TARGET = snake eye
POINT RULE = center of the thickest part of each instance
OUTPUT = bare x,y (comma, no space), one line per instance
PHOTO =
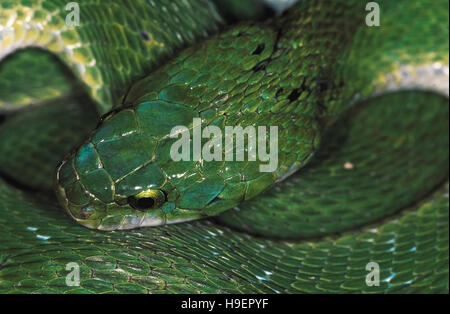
147,199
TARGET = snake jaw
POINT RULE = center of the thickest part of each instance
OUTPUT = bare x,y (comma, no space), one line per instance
94,214
93,218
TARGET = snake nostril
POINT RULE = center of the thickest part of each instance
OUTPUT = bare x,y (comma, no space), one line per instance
86,212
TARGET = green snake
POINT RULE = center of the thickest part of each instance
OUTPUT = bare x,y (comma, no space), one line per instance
362,169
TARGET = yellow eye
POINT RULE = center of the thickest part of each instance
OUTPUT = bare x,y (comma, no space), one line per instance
147,199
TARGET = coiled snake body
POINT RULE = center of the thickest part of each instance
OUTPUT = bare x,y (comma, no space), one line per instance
362,117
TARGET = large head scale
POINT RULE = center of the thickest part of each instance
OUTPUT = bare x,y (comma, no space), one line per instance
123,176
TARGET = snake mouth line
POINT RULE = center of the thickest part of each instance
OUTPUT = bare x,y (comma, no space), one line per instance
130,220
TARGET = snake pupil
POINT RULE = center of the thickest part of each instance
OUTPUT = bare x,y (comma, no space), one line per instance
141,203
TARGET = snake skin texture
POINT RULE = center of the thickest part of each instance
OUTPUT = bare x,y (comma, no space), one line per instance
362,115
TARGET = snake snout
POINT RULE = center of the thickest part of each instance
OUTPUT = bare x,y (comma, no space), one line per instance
74,198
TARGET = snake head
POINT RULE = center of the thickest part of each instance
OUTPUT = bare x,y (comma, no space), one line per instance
123,176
